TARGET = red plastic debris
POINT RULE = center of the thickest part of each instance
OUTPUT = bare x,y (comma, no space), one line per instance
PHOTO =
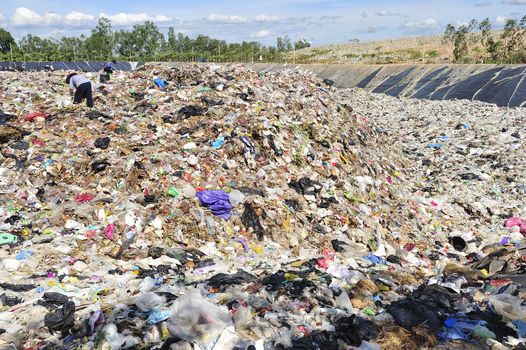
29,117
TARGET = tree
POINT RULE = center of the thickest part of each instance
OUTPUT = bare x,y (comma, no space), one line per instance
39,48
100,43
6,41
461,38
485,34
283,44
147,39
124,44
142,42
172,40
70,48
513,37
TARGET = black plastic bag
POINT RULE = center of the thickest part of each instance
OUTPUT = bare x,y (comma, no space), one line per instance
410,313
52,300
96,114
296,287
9,301
306,186
4,118
102,142
323,340
353,330
338,246
442,297
223,279
251,219
99,166
62,319
12,219
190,111
274,281
18,287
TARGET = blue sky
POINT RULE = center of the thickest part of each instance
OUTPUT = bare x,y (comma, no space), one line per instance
322,22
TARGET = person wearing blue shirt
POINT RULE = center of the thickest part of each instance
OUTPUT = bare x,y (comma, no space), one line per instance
109,67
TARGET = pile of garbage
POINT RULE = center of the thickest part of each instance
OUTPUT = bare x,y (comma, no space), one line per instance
236,210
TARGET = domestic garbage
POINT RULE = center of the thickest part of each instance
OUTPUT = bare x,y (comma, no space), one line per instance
222,279
104,78
217,201
160,83
4,117
7,238
251,221
61,316
244,210
460,327
102,142
196,320
32,116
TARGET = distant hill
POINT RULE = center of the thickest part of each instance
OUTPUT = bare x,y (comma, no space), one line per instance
429,49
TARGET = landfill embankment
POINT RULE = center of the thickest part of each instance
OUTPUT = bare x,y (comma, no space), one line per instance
254,211
503,85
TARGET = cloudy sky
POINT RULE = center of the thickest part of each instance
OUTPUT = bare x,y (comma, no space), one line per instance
319,21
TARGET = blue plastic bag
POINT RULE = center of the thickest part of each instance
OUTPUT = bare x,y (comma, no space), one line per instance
158,316
459,327
217,201
218,143
375,259
160,83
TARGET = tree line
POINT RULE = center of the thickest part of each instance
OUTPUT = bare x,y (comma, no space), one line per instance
478,42
144,42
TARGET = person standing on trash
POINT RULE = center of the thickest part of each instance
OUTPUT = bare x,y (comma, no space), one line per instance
109,67
82,88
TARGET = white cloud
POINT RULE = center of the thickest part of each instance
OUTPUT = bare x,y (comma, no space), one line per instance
161,18
125,19
24,17
267,18
226,19
261,34
1,18
364,14
514,2
428,23
383,13
77,18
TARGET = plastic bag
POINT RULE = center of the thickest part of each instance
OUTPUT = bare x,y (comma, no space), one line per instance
196,320
60,318
102,142
508,306
251,220
413,313
224,279
217,201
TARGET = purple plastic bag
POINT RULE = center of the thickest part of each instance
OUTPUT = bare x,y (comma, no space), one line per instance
217,201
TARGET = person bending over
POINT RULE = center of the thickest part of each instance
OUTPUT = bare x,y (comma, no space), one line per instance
109,67
82,88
